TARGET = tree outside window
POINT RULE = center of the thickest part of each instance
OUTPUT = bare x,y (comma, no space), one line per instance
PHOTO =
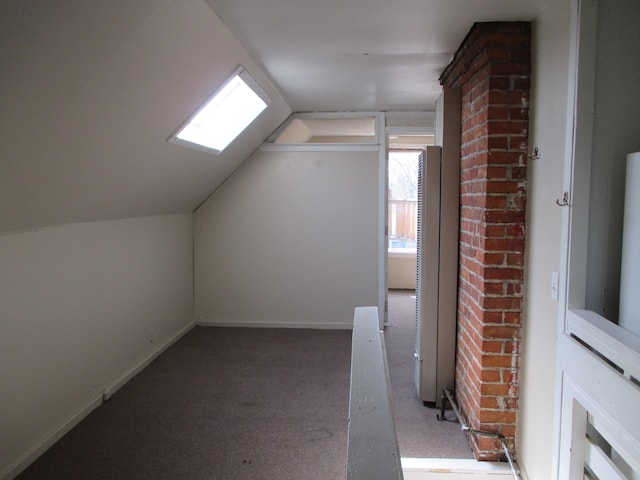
403,200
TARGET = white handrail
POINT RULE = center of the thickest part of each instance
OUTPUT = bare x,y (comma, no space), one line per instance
372,450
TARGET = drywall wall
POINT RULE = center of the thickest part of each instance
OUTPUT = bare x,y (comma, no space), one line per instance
615,134
401,271
90,93
289,240
81,307
535,436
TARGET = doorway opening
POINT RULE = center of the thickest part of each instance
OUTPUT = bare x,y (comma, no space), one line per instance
402,206
402,210
412,418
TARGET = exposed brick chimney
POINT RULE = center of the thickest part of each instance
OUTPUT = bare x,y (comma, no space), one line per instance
492,68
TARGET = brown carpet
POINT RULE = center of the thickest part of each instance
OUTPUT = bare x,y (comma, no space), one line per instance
420,434
220,404
234,403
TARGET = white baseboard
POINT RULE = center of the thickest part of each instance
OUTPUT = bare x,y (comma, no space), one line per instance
258,324
45,443
120,382
453,469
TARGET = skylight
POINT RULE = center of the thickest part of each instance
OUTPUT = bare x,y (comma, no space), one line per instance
225,115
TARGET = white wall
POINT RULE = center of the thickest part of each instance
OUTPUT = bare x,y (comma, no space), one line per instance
543,241
615,134
401,271
90,92
81,306
290,239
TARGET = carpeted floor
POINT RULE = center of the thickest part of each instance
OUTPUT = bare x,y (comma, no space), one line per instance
420,434
220,404
233,403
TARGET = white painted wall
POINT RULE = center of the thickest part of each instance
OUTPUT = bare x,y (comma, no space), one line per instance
616,120
543,242
81,307
401,271
290,239
90,92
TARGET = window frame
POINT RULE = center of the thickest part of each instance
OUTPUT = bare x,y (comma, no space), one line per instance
246,77
393,252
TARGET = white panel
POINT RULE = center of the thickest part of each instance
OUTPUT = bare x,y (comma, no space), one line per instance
437,293
579,175
567,455
600,464
574,430
454,469
383,219
428,275
608,339
450,112
630,275
608,397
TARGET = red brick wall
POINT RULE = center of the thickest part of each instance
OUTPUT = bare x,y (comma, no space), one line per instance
492,69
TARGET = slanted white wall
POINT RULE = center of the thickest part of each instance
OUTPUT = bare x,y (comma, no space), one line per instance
82,306
90,92
289,240
543,242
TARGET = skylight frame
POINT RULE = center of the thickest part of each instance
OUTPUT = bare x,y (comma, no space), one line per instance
214,102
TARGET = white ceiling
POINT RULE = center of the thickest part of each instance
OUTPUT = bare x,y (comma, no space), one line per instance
90,90
359,55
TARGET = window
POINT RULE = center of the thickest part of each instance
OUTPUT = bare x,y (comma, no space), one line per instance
403,200
403,160
225,115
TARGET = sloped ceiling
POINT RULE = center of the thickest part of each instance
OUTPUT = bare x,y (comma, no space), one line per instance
90,91
360,54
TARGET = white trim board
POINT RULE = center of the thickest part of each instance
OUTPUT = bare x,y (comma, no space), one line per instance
75,418
259,324
319,147
453,469
383,228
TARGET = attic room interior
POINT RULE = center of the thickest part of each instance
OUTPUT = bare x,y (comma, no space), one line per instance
119,243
